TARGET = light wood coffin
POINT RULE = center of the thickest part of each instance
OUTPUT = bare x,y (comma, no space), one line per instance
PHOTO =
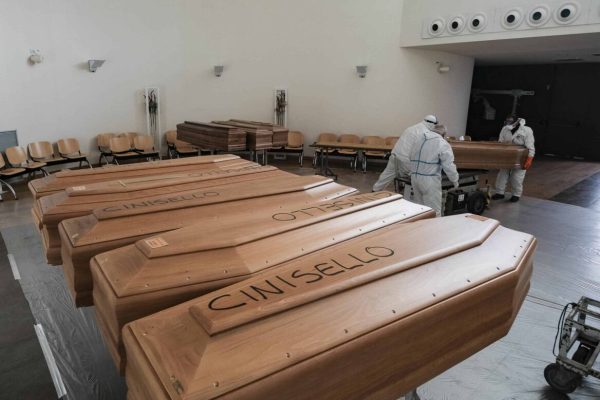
212,136
488,155
280,133
82,200
372,318
118,225
257,137
162,271
64,179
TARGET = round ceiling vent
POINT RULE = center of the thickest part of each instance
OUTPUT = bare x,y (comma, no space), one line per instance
456,25
512,19
436,27
477,22
538,16
567,13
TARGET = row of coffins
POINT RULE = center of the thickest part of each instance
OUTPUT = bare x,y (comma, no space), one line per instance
225,135
261,283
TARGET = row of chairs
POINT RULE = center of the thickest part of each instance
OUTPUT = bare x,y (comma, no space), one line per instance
18,164
125,146
354,154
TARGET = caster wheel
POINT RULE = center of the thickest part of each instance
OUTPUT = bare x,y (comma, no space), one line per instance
476,203
561,379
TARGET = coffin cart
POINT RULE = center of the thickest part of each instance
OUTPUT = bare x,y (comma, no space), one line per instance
366,318
162,271
468,197
124,223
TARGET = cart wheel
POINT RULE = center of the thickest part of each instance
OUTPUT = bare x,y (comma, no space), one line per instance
562,379
476,202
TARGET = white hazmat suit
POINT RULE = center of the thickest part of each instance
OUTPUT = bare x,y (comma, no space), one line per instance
523,136
399,163
429,155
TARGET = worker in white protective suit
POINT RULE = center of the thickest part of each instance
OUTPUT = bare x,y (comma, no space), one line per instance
399,164
429,155
516,132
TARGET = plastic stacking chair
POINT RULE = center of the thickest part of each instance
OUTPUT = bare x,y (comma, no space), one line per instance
353,154
178,148
103,141
6,173
144,146
324,137
43,152
391,142
17,158
70,150
372,141
296,145
120,149
131,136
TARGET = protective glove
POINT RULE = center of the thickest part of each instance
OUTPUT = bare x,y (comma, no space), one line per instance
455,185
528,163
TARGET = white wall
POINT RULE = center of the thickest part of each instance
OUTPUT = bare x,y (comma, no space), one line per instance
60,98
310,47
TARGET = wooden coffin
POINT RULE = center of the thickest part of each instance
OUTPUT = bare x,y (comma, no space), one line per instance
488,155
257,137
82,200
212,136
162,271
64,179
118,225
372,317
280,133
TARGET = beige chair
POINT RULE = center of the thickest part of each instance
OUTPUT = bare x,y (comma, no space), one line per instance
144,146
7,172
295,145
70,149
349,138
391,142
373,154
43,152
103,141
120,149
131,136
179,148
17,158
324,137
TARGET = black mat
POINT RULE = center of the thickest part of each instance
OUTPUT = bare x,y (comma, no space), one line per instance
584,194
24,374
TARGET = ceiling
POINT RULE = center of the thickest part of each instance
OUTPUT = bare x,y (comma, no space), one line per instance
533,50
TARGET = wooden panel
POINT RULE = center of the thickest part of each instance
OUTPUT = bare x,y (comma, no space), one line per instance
280,133
371,329
84,237
257,137
212,136
159,272
64,179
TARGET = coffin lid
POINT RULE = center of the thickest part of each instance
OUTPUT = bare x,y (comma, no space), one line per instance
89,229
245,127
141,268
383,280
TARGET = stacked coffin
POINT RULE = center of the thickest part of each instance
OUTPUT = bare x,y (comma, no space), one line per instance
82,200
156,273
488,155
74,178
124,223
257,137
212,136
371,317
280,133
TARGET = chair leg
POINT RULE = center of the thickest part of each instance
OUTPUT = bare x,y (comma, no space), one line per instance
10,188
364,164
301,158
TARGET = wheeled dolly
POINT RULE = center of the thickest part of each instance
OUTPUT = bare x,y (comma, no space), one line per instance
581,327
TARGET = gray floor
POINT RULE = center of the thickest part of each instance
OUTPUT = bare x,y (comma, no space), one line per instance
567,266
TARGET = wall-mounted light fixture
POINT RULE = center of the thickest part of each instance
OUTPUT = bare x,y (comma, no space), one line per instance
35,56
93,65
361,70
442,68
218,69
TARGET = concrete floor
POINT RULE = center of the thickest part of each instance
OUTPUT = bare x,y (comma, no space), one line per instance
566,266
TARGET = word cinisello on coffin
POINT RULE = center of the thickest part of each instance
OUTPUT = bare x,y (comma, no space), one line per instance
134,281
125,223
372,317
82,200
64,179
